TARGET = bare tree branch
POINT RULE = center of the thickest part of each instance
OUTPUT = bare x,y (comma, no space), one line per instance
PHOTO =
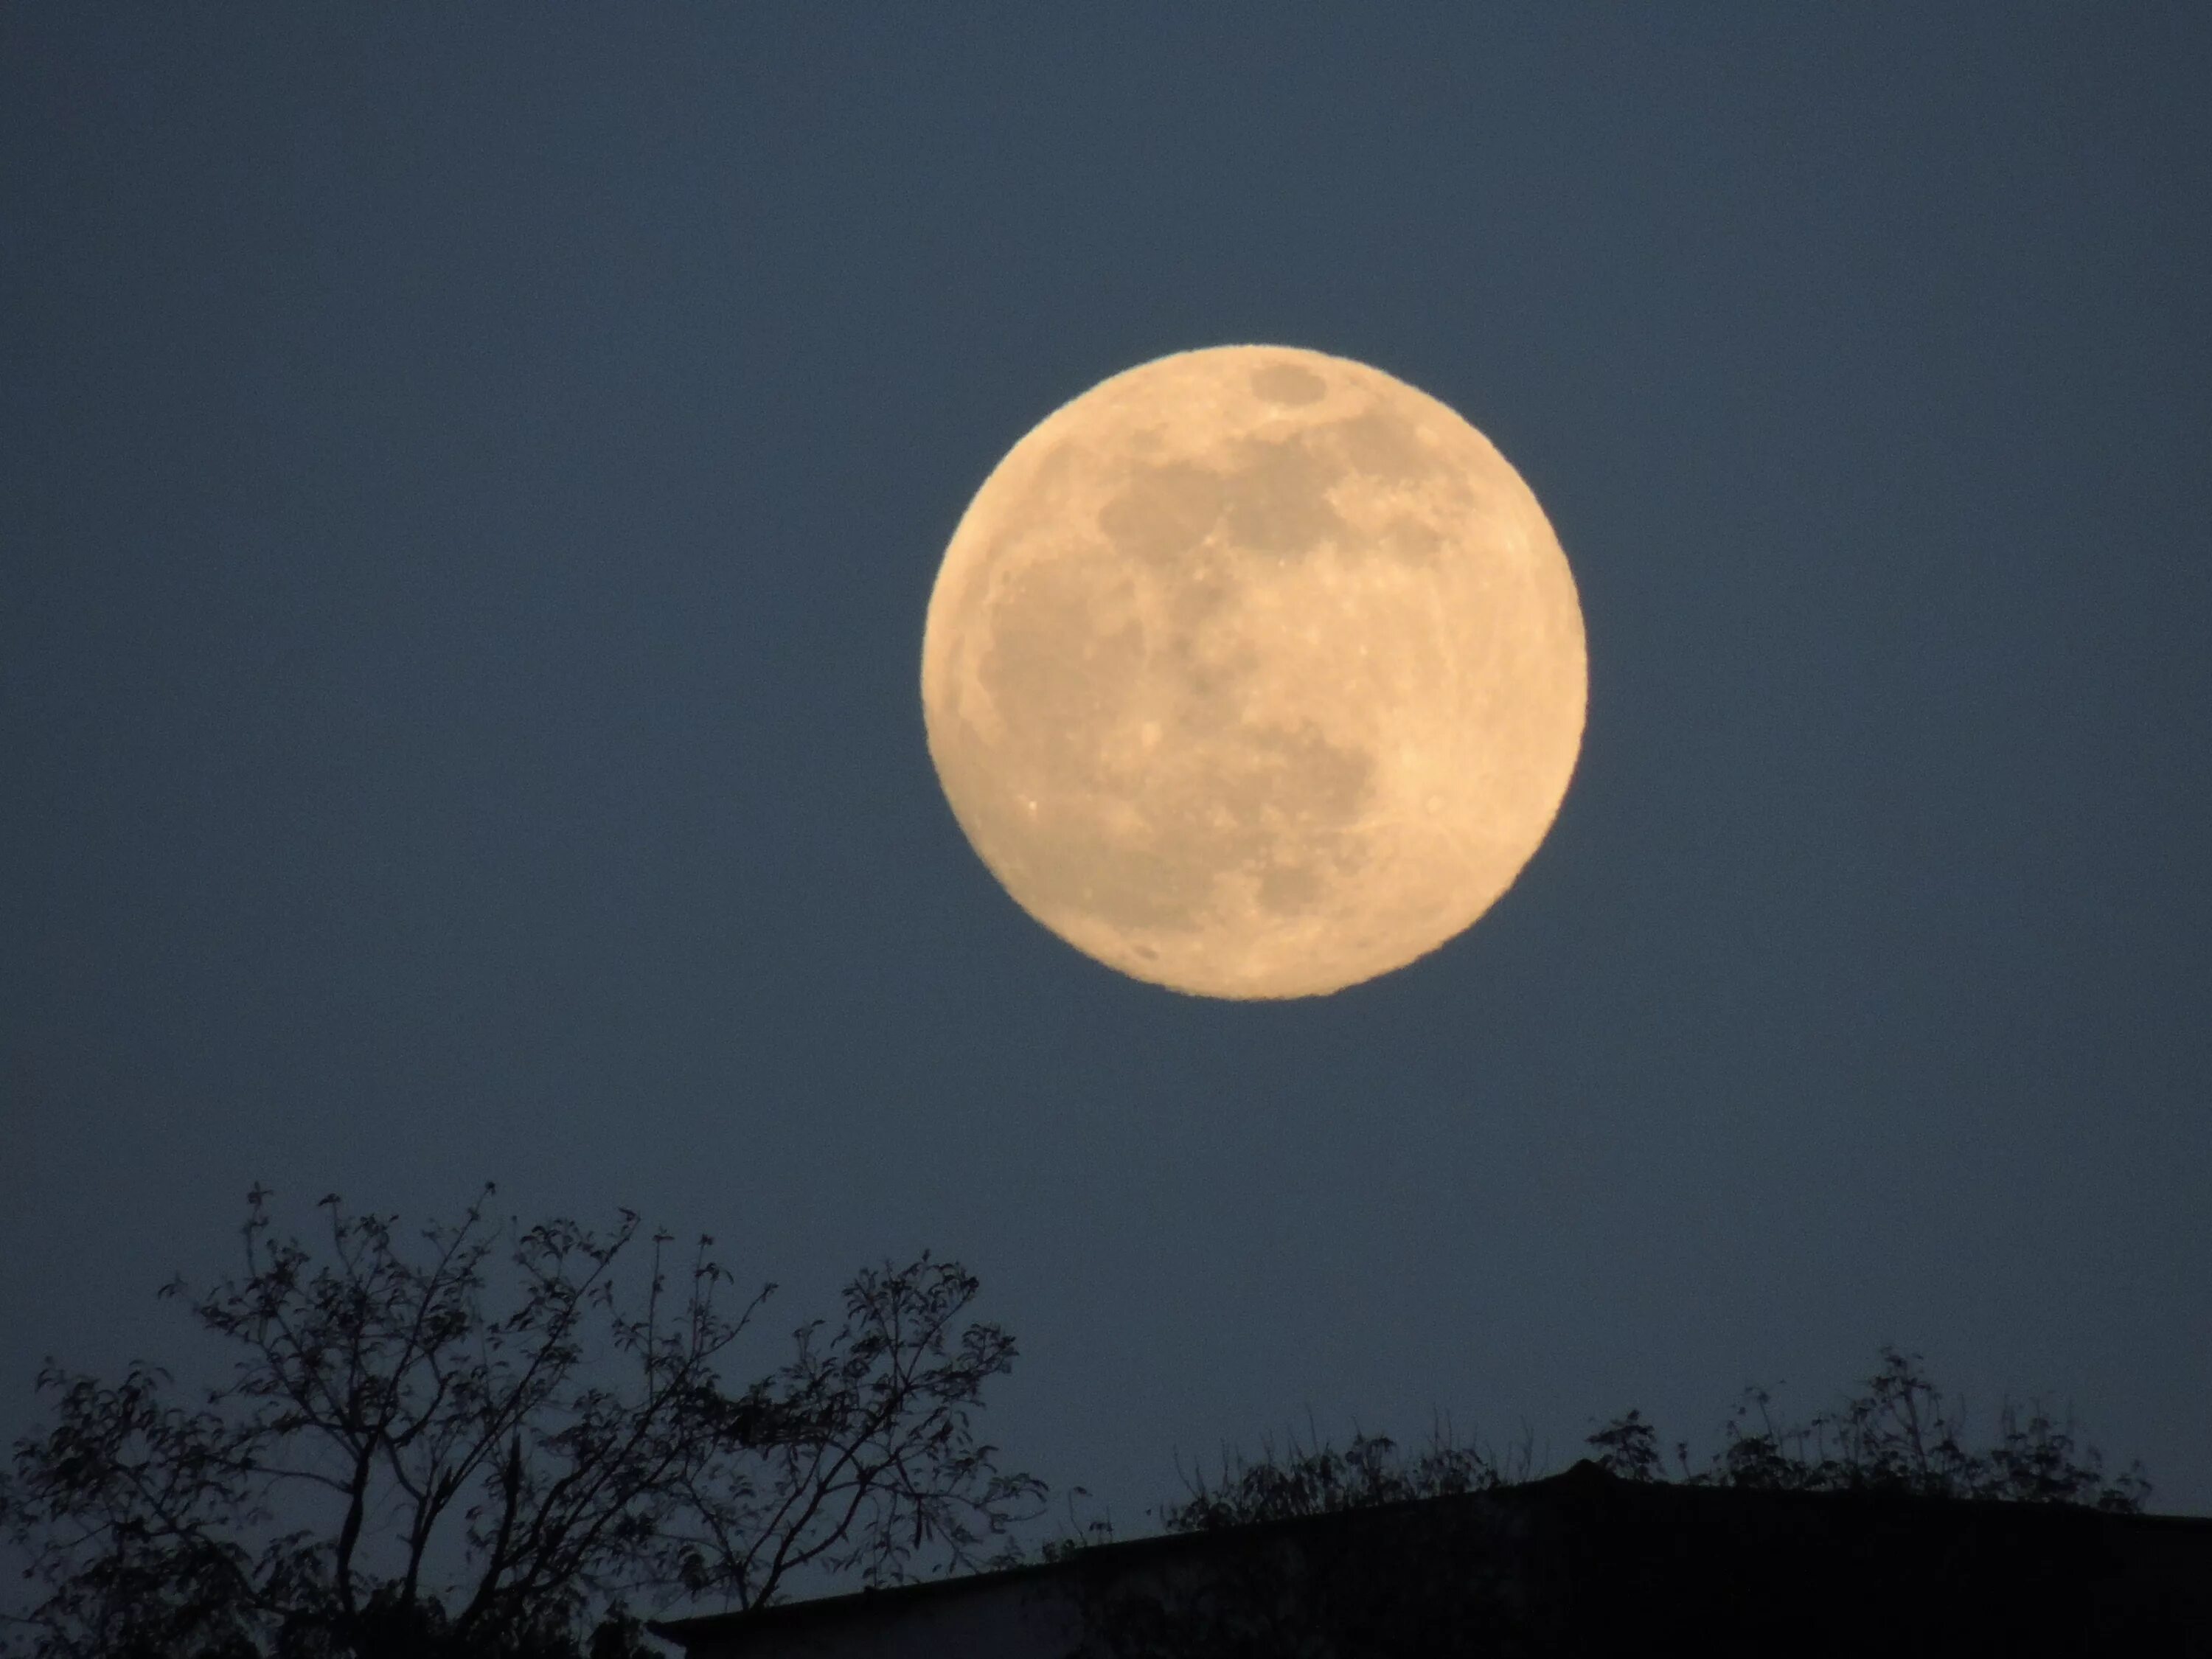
409,1452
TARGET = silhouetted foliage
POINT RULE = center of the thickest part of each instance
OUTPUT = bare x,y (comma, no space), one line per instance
1903,1434
1319,1479
1445,1578
1322,1592
410,1458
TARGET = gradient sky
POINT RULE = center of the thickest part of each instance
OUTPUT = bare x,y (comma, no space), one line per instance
470,481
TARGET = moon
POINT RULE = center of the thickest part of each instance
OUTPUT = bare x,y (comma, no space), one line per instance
1255,672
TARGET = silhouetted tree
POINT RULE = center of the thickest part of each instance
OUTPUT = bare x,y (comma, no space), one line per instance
417,1455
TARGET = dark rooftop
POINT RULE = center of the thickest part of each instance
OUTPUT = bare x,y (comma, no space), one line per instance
1581,1562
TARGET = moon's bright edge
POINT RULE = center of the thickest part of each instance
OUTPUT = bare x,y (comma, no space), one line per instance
1255,672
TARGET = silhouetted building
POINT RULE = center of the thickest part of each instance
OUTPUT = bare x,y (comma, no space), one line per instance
1579,1564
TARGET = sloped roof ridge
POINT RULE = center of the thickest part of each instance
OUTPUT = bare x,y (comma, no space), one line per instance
1584,1476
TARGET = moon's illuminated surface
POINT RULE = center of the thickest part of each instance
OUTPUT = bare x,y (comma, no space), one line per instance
1255,672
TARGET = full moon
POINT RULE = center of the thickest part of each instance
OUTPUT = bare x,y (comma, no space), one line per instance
1255,672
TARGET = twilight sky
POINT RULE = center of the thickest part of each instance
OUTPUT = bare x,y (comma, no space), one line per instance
469,485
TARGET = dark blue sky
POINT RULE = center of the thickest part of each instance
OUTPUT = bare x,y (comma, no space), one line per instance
469,484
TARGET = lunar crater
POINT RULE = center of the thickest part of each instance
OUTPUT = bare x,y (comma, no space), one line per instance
1286,383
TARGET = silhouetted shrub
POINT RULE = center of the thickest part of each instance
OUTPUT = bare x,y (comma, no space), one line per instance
1377,1575
1902,1433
